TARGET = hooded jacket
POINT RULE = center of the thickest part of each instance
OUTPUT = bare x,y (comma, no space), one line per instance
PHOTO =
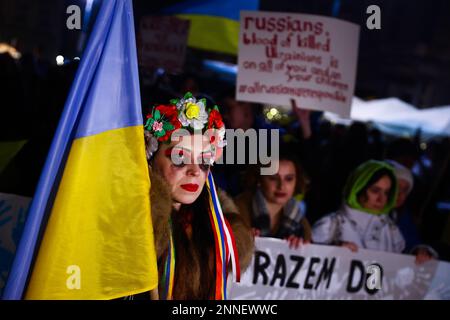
366,228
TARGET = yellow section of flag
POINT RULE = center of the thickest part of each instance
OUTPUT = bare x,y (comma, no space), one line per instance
98,243
213,33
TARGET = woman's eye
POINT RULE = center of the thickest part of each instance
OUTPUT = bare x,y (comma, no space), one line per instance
374,190
179,164
179,159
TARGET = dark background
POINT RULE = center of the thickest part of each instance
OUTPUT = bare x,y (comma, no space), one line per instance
408,58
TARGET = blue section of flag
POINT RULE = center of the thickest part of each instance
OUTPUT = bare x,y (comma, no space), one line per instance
77,122
220,8
113,81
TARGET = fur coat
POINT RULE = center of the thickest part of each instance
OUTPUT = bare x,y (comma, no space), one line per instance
189,264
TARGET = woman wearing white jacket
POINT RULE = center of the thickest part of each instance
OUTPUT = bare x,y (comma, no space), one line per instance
363,221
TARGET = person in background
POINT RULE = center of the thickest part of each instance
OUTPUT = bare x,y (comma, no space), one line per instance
272,206
401,215
363,220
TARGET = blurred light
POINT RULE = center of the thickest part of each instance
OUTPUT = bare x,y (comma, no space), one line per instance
76,58
160,72
269,116
4,47
273,111
443,205
423,146
59,60
225,71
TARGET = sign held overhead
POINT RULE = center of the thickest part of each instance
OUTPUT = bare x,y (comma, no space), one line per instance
309,58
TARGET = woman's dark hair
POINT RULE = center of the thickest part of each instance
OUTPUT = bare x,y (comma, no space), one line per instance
375,177
203,243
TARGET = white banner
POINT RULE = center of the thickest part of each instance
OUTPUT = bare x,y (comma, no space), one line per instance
328,272
309,58
162,42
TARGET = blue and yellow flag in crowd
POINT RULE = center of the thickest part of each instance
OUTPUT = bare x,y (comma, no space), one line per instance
97,241
214,23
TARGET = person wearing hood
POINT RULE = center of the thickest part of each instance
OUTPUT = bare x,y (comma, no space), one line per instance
401,215
363,222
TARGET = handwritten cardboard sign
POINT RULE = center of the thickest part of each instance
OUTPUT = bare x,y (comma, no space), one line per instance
162,42
309,58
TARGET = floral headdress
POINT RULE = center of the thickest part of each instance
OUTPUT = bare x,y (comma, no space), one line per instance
186,113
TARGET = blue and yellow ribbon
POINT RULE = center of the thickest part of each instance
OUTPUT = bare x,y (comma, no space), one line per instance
225,249
169,268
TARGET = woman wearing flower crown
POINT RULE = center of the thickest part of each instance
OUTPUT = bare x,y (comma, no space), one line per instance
199,235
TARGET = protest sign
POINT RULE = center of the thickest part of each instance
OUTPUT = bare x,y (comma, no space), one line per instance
162,42
328,272
309,58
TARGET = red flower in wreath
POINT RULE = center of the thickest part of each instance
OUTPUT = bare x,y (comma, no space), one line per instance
215,119
163,121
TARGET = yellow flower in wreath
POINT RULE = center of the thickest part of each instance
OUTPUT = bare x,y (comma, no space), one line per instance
192,110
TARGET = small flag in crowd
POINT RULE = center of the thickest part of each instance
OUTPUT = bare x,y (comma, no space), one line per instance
214,23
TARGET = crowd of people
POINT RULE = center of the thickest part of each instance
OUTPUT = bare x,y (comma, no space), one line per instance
347,186
351,186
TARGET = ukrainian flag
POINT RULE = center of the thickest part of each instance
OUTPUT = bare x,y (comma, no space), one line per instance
214,23
98,241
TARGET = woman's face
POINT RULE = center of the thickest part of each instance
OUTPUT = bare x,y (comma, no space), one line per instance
185,166
377,195
280,187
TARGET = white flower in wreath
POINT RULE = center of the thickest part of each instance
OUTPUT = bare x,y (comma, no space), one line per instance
222,142
193,113
218,134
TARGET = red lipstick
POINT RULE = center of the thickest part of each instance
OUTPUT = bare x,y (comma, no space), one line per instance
280,194
190,187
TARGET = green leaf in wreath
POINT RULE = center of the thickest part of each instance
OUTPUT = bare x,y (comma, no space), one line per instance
168,126
149,123
160,133
157,115
188,95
